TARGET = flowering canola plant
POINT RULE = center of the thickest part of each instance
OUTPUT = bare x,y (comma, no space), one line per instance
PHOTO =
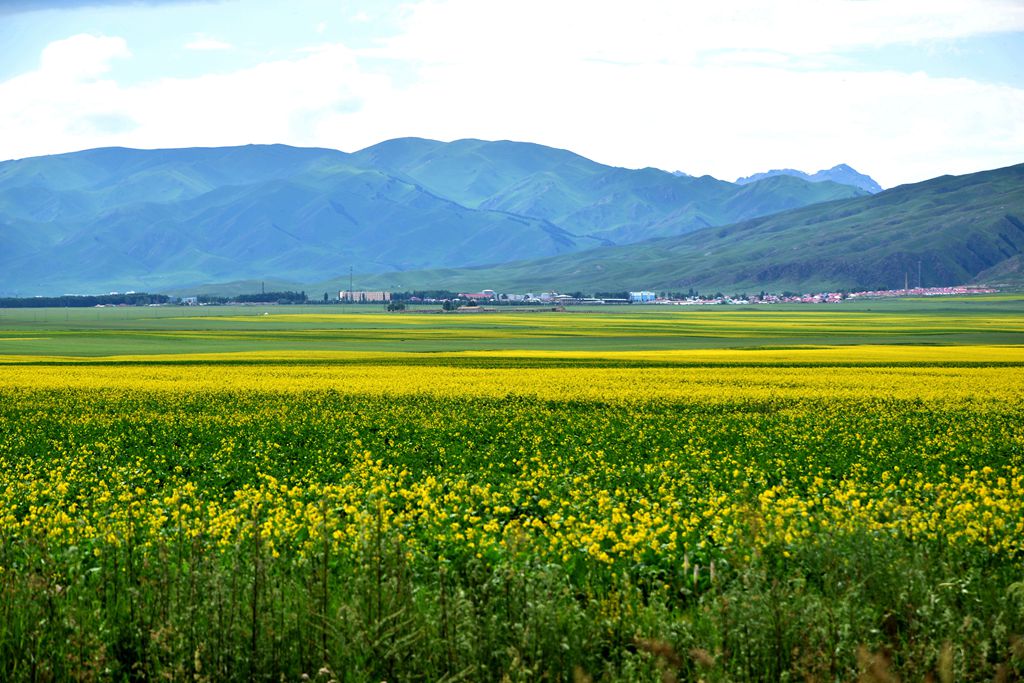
635,468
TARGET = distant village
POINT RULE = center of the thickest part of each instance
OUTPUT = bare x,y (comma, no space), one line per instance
491,297
485,299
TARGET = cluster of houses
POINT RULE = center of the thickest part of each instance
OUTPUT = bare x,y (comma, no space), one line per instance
489,296
818,297
925,291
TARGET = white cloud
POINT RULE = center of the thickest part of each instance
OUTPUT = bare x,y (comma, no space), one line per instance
660,31
709,87
726,121
40,110
204,43
62,106
280,101
727,89
749,57
82,56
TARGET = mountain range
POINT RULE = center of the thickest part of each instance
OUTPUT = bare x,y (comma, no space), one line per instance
950,230
414,213
117,219
841,173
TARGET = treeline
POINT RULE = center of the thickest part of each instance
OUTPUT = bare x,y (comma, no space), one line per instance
75,301
258,298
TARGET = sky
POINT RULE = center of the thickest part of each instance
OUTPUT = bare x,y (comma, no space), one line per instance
903,90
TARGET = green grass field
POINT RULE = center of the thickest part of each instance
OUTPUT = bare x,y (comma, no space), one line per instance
244,329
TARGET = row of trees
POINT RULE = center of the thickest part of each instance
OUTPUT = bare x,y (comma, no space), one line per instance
75,301
258,298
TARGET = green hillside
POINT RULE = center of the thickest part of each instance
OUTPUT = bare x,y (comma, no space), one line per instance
615,205
956,229
119,219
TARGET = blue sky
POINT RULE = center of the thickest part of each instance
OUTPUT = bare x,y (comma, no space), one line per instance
901,89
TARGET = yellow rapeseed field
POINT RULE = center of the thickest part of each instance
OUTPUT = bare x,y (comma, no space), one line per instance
614,464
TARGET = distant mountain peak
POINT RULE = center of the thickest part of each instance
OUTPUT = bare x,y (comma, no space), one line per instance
840,173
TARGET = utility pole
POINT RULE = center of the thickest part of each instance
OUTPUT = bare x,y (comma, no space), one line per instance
919,273
351,291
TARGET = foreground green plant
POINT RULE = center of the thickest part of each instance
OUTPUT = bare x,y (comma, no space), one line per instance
375,617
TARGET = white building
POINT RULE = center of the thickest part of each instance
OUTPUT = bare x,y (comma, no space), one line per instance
363,296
